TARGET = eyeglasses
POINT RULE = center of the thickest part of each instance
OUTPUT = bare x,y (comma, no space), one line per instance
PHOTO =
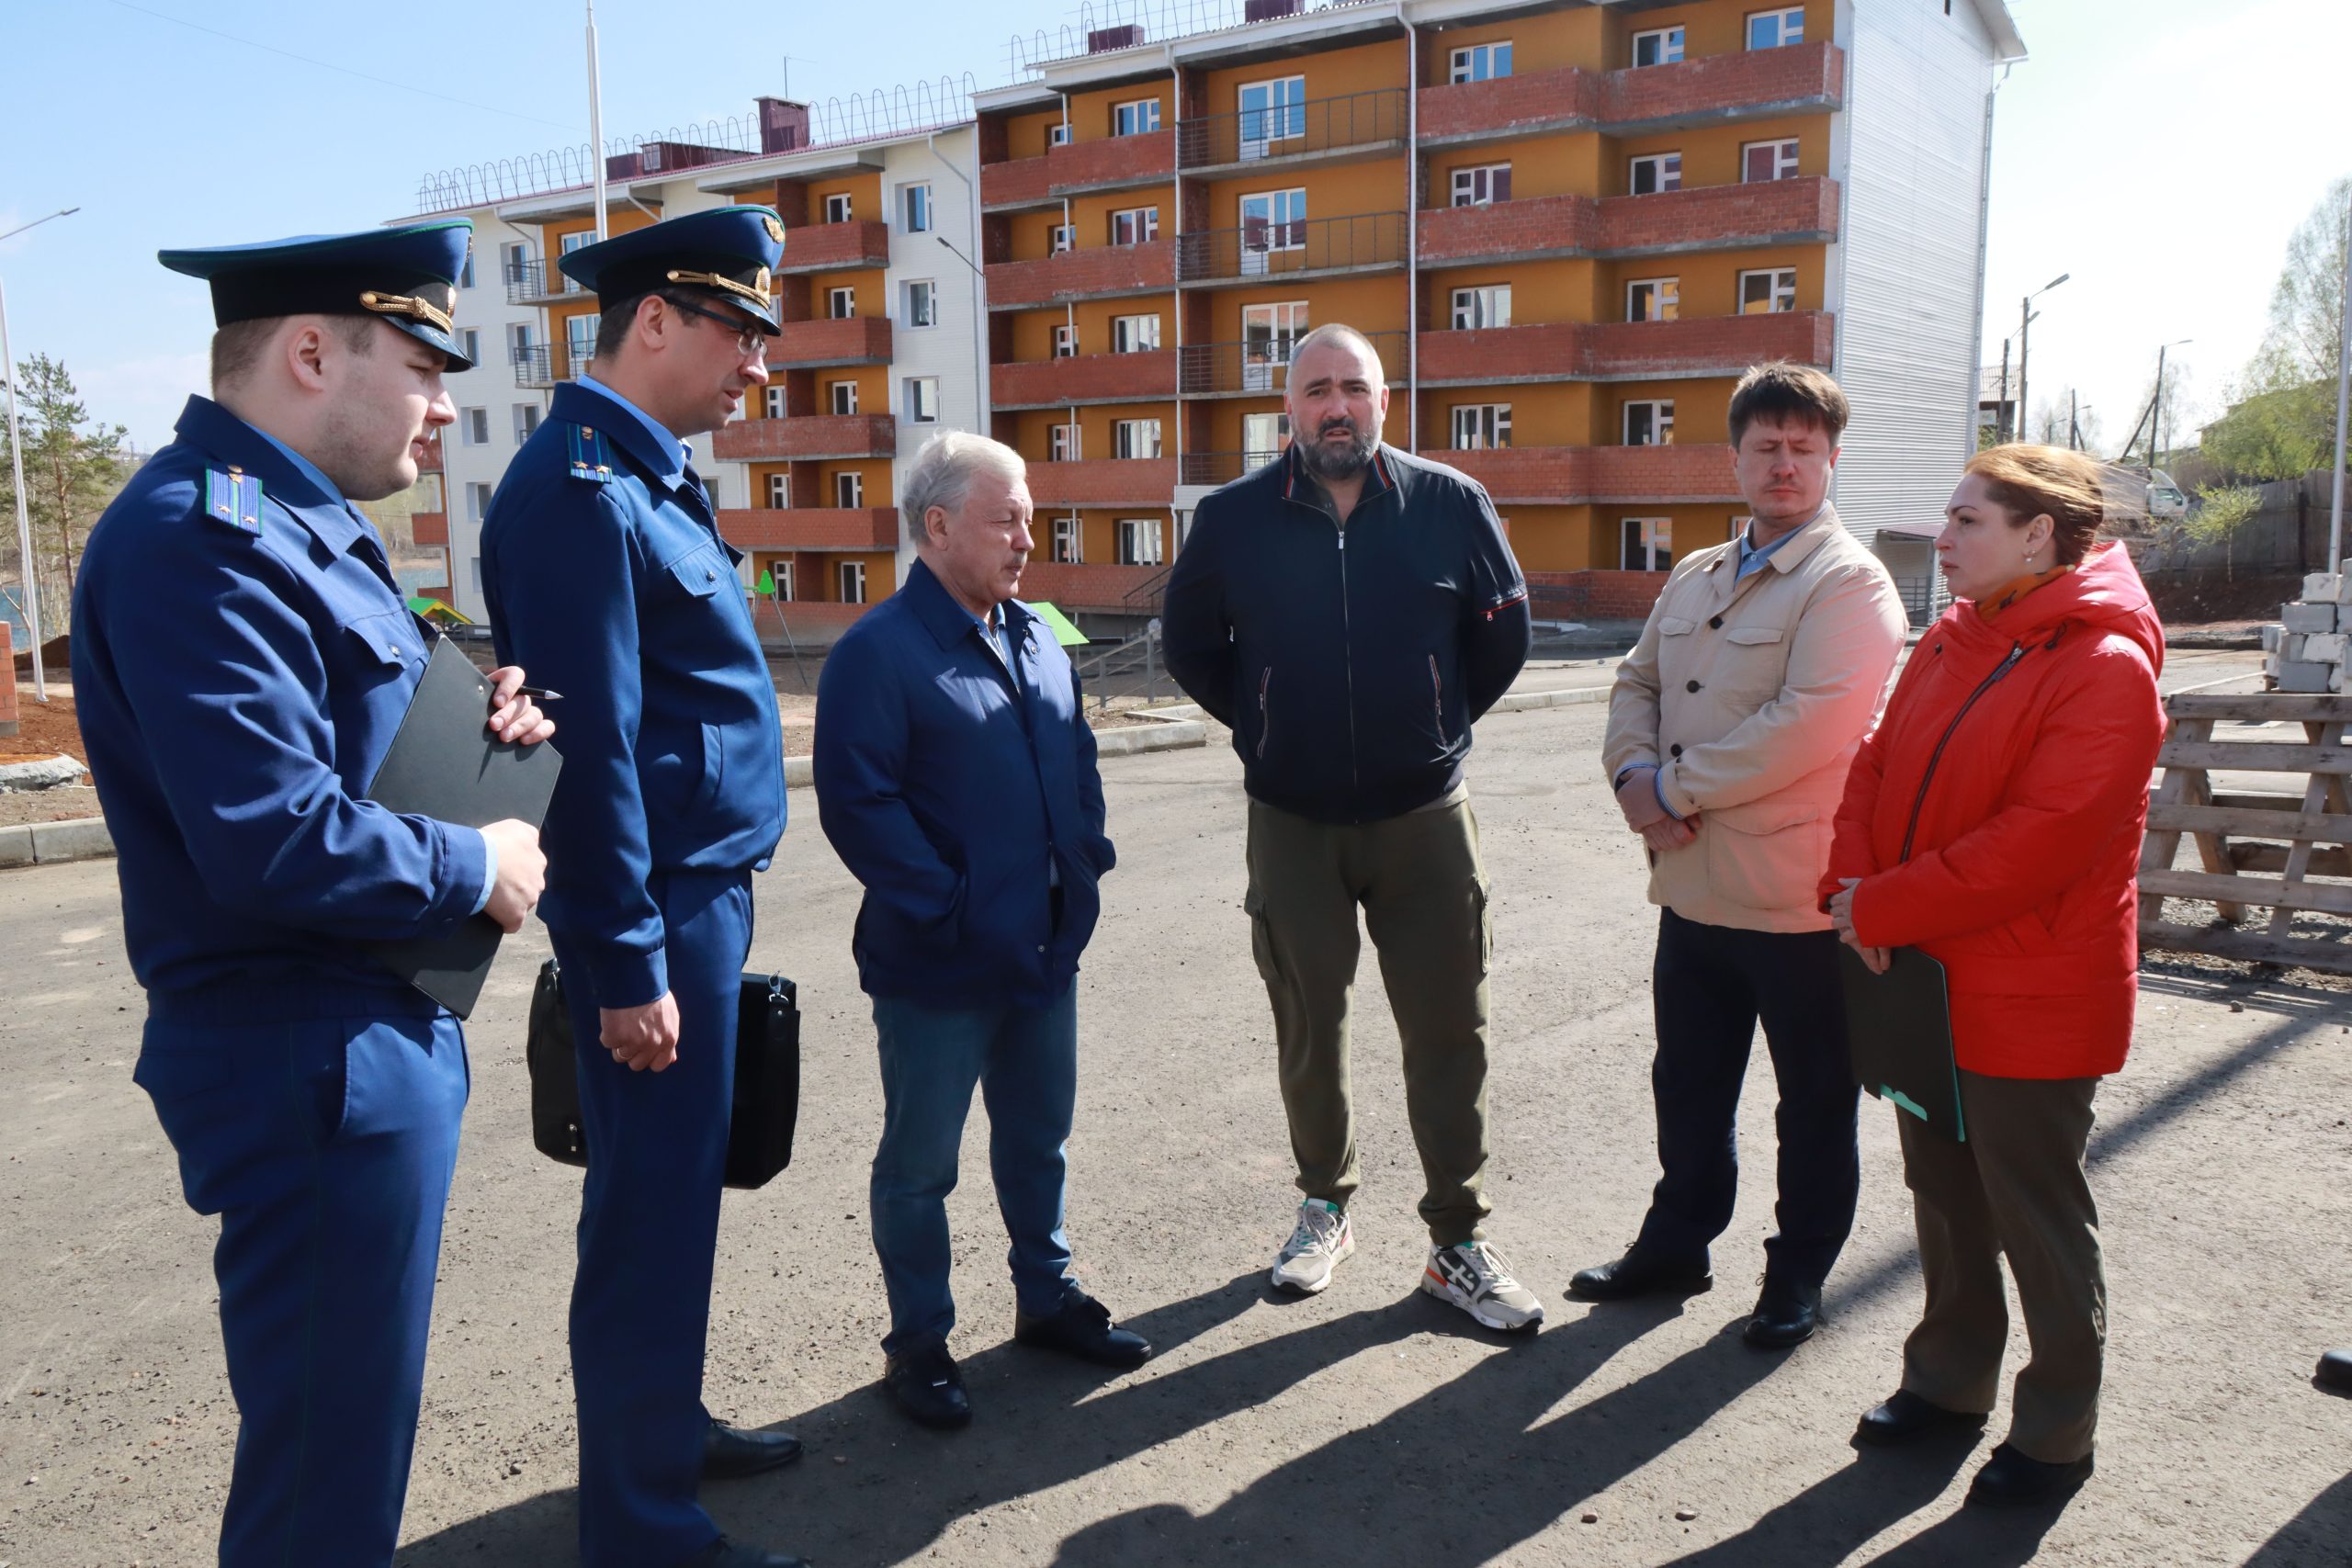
748,339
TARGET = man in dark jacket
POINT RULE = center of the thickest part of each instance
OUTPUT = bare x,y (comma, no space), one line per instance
955,778
1349,611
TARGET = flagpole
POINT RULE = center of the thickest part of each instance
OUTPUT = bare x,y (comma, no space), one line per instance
595,121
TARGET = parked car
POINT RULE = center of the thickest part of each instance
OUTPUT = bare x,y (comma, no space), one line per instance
2165,503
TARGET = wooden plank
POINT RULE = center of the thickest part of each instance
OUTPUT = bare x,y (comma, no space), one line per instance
2247,890
2260,707
2254,947
2161,842
2283,822
2247,855
2250,801
2257,756
2299,857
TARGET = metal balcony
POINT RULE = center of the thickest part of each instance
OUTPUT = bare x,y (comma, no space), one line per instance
1306,246
545,364
1261,366
538,283
1358,125
1223,467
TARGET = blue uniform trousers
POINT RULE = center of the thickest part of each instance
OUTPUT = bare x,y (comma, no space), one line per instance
1025,1062
326,1148
649,1224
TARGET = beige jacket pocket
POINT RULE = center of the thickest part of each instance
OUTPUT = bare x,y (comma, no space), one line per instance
1766,854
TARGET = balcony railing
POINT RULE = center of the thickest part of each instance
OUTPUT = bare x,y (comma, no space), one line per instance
1262,365
537,283
1356,243
828,247
540,365
1322,128
1222,467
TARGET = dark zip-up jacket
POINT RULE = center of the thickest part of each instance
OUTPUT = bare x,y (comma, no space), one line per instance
1349,661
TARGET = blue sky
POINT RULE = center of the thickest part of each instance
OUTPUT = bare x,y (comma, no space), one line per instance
2161,151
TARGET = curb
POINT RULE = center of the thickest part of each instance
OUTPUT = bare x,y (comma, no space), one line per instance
47,843
1573,696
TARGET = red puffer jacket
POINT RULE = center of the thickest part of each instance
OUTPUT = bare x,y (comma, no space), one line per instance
2022,745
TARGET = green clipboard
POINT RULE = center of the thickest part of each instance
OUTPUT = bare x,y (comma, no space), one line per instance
1898,1037
1065,633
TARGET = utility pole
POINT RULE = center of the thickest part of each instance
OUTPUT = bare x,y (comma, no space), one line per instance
595,121
2001,408
2343,400
2026,314
2073,421
2156,406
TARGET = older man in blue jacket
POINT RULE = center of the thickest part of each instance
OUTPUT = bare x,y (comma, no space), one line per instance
955,778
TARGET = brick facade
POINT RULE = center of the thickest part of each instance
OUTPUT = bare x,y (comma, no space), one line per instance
1595,595
1085,379
1109,163
1809,78
1568,476
1104,481
806,435
1097,272
811,528
830,247
858,340
429,527
1071,586
1712,345
1713,217
1016,182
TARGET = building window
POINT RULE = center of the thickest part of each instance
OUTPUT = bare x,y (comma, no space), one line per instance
1063,237
477,570
1482,186
469,342
839,208
1648,545
780,574
477,502
1069,540
1135,118
1659,46
518,342
1064,341
1655,173
842,396
1480,426
1271,111
1271,220
1264,436
1762,161
580,339
1134,226
1485,307
914,207
775,402
1058,135
1482,62
841,304
1134,437
1767,292
923,399
514,260
475,423
526,420
1649,422
1134,335
1653,299
849,491
1138,541
853,579
466,268
779,490
923,304
1776,29
1062,444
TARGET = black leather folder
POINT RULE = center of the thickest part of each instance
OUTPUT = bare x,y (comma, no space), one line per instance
1898,1035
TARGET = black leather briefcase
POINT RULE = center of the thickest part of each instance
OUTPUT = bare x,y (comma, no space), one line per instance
767,1078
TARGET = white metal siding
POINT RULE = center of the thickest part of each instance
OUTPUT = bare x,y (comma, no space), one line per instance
489,385
1907,277
949,351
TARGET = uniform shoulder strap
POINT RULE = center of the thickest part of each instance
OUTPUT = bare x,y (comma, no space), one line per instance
592,460
233,496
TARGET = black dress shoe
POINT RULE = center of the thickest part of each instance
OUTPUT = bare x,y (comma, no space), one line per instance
925,1381
730,1453
2334,1372
726,1553
1906,1416
2010,1480
1786,1313
1080,1326
1641,1273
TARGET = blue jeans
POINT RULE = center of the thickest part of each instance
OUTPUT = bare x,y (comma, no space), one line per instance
1026,1061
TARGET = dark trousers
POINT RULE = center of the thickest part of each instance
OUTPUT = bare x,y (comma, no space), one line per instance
1710,986
326,1148
649,1225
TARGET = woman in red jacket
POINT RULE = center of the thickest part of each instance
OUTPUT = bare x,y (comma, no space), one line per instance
1993,821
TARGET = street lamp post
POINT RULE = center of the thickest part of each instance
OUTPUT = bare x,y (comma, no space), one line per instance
2026,314
17,474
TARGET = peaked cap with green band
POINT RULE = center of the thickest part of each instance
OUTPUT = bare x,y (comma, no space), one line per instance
405,276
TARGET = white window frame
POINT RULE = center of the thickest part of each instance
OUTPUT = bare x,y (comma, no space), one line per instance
521,338
922,310
466,268
1064,341
1781,290
1286,233
773,400
781,570
469,343
1479,427
1784,160
921,401
1057,134
476,561
1139,541
840,303
1474,184
1669,47
840,397
779,491
1661,422
1069,541
1130,436
1481,306
1065,443
1062,237
1668,171
1665,298
851,577
1145,223
1258,456
915,213
1787,23
1134,335
1283,118
1654,545
1464,65
1145,111
474,428
849,491
841,206
526,422
478,497
513,257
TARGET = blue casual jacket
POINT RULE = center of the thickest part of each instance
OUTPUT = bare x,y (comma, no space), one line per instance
242,660
949,788
608,581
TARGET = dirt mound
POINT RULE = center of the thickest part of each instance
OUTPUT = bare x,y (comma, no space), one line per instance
56,658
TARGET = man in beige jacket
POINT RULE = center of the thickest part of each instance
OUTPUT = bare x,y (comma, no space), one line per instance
1730,730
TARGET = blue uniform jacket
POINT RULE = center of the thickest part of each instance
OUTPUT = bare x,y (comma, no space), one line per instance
242,659
949,788
603,565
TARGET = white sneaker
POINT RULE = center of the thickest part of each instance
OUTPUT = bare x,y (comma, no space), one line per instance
1474,1277
1323,1239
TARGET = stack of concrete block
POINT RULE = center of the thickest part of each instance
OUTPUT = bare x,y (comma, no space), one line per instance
2307,650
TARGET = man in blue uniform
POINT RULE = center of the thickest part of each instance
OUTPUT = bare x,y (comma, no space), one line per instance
242,659
604,567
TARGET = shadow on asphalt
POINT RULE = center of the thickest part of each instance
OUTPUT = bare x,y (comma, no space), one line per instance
2315,1537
